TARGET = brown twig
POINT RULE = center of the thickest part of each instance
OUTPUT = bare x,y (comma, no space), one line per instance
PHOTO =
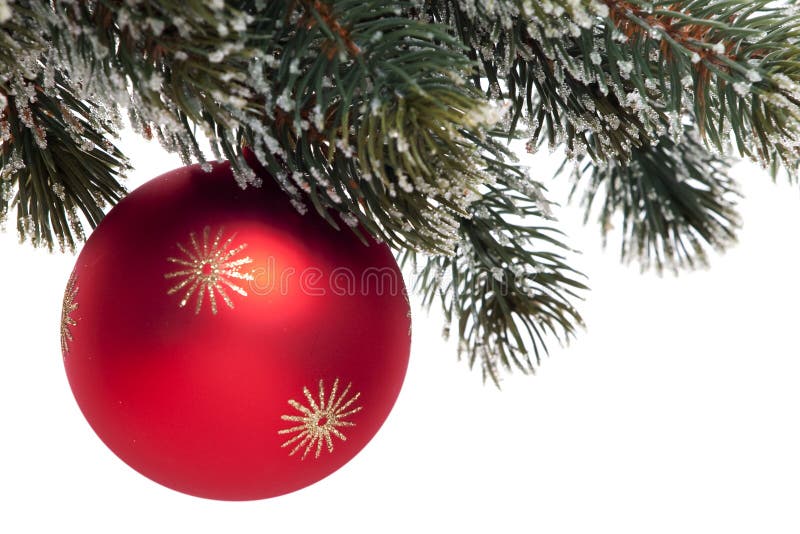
692,37
326,13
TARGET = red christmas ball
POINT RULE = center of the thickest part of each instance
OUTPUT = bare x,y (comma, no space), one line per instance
228,347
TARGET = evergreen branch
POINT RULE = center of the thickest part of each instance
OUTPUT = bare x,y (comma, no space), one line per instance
508,286
604,85
351,106
57,166
674,201
737,61
348,104
545,58
362,110
394,144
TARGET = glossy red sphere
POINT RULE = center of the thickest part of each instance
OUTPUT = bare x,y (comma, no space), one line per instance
228,347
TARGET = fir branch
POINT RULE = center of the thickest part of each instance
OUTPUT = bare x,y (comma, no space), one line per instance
674,201
58,168
606,85
549,66
740,58
348,104
508,287
389,146
361,109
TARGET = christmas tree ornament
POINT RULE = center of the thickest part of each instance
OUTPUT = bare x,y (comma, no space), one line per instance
228,347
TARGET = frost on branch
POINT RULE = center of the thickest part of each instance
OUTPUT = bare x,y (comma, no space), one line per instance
607,77
392,117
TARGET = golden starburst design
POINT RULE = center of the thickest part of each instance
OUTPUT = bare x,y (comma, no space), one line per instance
209,267
68,307
320,420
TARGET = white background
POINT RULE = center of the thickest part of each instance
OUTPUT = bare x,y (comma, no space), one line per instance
675,411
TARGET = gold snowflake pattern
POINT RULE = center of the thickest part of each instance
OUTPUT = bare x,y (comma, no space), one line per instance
68,307
320,420
209,267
